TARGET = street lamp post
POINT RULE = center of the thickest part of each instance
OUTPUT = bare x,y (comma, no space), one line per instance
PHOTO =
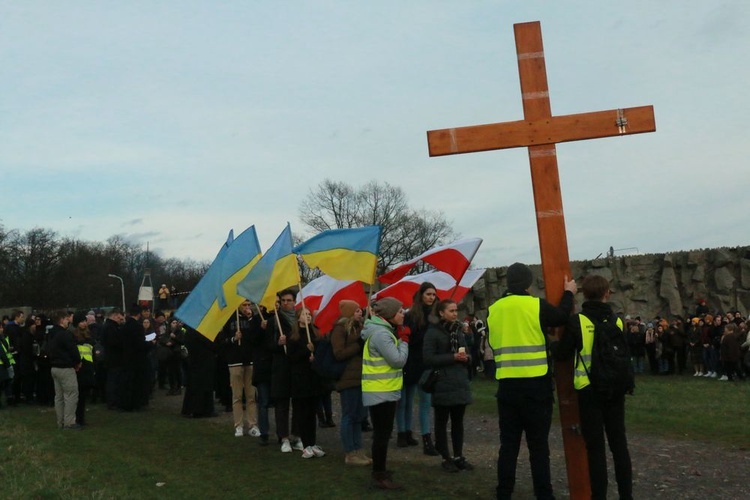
122,285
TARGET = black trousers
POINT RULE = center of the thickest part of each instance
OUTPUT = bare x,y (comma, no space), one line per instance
520,412
456,415
600,415
382,416
303,415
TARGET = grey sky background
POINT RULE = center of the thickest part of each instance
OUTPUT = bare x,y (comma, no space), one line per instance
173,122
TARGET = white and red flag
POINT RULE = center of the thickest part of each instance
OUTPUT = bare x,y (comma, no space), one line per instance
322,297
445,286
453,259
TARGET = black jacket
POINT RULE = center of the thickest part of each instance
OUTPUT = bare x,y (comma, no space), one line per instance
240,353
62,348
452,387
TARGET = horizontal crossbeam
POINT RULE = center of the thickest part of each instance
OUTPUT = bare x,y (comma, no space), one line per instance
553,130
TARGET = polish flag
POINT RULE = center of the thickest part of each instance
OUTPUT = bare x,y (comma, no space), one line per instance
445,286
453,259
322,296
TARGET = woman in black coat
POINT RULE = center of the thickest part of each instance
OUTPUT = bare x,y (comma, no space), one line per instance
306,385
199,394
445,350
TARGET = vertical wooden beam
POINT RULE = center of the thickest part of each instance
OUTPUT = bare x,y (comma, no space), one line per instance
553,241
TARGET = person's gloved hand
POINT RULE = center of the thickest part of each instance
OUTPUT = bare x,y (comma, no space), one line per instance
404,332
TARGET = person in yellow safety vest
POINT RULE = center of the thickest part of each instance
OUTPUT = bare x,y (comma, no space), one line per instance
599,413
383,358
517,325
85,375
6,364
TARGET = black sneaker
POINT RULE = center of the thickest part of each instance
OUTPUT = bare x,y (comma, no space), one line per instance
462,464
263,441
449,466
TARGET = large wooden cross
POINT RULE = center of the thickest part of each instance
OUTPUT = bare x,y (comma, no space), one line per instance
540,131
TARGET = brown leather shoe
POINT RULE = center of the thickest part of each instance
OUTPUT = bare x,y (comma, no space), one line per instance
383,481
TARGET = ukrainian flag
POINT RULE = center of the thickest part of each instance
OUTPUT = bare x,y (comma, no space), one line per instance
197,304
344,254
240,256
275,271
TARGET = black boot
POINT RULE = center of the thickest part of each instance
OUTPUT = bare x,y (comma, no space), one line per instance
410,439
401,441
427,447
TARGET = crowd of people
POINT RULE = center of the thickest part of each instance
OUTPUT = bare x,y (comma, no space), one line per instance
392,362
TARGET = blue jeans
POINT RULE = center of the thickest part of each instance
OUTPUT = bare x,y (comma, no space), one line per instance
352,415
406,407
262,398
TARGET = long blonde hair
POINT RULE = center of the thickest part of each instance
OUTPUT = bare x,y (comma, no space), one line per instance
295,336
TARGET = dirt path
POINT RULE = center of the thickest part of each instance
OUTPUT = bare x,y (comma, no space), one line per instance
661,467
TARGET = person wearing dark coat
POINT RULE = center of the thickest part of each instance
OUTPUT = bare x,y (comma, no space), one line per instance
347,346
416,321
111,338
601,413
199,393
279,329
134,384
445,350
262,370
86,374
65,361
26,360
306,385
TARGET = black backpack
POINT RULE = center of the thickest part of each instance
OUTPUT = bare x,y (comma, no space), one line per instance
325,363
611,372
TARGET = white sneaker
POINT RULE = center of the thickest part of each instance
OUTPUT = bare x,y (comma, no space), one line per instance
713,375
723,377
318,451
308,452
697,374
298,445
285,446
238,432
254,431
708,374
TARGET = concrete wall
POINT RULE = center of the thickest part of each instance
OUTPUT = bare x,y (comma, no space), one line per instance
647,285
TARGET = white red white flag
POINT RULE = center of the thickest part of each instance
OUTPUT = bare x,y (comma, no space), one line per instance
445,286
453,259
322,297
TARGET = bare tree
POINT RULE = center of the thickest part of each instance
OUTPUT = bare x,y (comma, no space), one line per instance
406,232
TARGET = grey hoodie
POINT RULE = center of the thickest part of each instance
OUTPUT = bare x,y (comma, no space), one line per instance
382,344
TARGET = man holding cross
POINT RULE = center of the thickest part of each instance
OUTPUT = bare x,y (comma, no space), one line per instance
518,323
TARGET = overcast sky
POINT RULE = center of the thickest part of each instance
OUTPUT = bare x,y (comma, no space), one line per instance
173,122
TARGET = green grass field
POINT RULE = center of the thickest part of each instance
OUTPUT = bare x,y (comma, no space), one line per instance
126,455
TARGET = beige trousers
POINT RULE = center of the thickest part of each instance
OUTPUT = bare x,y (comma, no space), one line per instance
241,380
66,395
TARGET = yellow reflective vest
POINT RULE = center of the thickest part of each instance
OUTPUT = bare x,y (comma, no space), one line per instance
377,374
5,346
580,377
517,339
86,352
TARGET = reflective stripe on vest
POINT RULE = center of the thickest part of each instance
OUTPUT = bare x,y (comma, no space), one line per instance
580,377
86,352
516,337
377,374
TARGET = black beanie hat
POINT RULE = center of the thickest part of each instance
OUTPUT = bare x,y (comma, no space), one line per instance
518,277
78,317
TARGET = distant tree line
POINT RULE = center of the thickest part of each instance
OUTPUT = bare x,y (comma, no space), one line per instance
42,270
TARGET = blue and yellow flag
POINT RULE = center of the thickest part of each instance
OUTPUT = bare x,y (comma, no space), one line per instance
344,254
275,271
214,299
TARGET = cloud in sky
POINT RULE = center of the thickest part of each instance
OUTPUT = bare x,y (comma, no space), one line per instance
180,121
